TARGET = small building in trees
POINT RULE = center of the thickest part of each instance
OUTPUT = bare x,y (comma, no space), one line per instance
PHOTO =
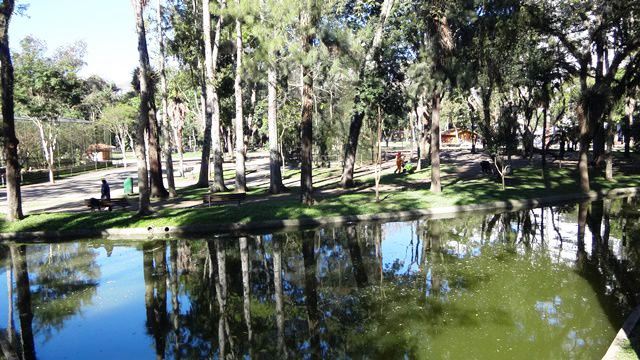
454,137
99,152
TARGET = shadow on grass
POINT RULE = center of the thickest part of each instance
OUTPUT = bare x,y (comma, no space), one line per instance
71,221
524,184
193,192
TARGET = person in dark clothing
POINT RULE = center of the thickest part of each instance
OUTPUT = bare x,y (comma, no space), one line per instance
105,192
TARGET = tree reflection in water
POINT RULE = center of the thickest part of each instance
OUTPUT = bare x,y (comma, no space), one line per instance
556,282
23,300
279,296
155,293
175,303
65,278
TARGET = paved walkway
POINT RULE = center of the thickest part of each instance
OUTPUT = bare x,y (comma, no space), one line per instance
68,194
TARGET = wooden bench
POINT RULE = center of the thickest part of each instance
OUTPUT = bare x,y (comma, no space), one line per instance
94,203
224,198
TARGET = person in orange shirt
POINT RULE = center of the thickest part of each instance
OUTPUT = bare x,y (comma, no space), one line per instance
399,162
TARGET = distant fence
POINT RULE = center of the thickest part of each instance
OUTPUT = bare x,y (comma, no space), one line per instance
42,175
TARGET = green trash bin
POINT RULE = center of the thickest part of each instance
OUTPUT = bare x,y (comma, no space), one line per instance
128,186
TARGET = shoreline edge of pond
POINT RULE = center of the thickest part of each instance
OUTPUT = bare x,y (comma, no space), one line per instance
301,223
616,349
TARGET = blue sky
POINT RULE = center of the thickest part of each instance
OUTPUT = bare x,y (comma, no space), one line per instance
107,26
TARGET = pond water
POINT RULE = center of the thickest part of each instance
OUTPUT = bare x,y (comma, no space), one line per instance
547,283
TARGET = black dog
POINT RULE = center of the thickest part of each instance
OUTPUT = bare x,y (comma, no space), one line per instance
94,203
486,166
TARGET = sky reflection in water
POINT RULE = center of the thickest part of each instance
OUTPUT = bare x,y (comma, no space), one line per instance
554,282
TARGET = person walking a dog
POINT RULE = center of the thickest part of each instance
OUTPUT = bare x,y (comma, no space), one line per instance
105,191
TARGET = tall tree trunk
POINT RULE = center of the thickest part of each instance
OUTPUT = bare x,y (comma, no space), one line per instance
412,137
155,165
241,177
122,144
352,145
147,95
583,166
47,139
143,112
435,143
171,184
251,121
358,115
486,113
229,140
425,148
203,177
628,122
474,138
19,259
306,174
307,24
379,155
544,134
599,139
177,137
132,143
51,166
275,157
216,143
211,64
608,156
14,197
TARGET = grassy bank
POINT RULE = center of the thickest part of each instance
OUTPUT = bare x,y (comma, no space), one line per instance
524,183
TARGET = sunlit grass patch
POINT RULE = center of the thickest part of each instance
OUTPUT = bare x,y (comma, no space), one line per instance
413,194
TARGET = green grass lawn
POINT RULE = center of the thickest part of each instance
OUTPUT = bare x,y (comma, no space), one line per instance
524,183
195,193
